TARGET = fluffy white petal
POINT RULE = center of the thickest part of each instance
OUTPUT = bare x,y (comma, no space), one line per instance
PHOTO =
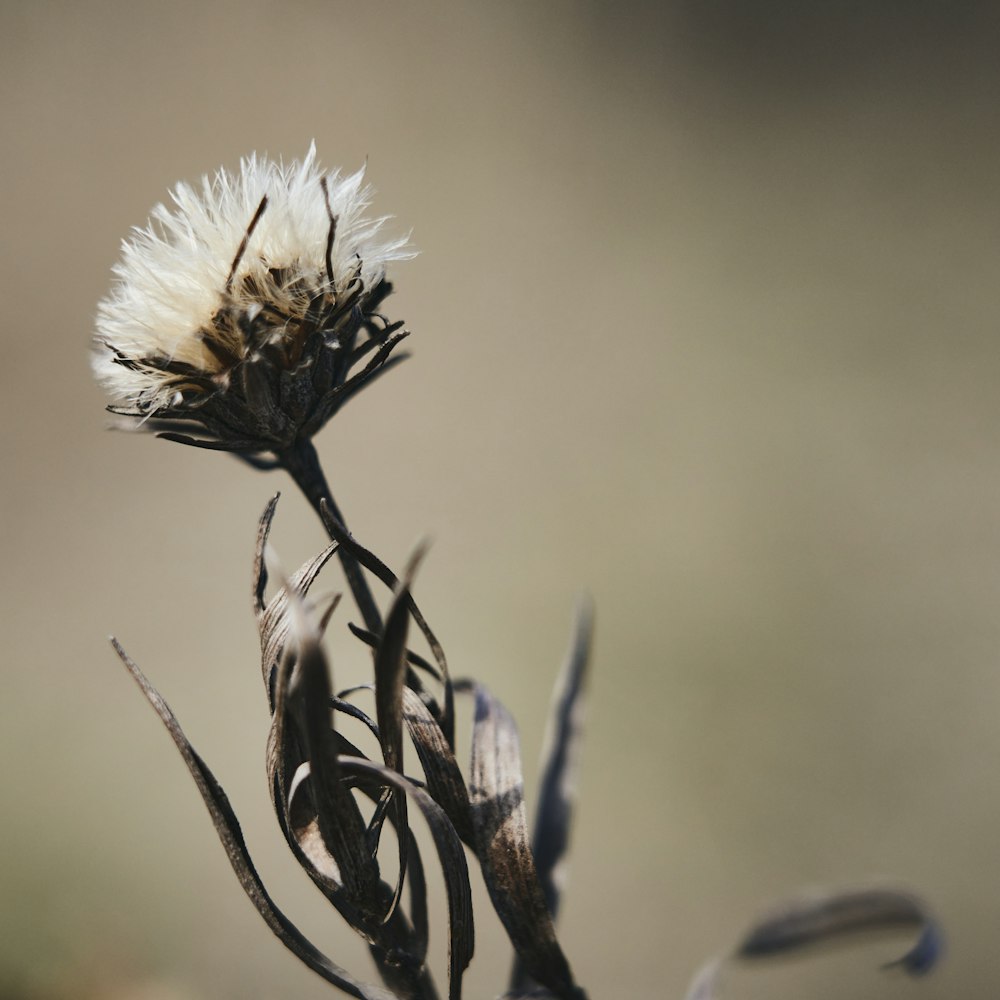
171,280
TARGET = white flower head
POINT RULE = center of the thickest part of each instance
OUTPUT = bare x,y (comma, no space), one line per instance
242,308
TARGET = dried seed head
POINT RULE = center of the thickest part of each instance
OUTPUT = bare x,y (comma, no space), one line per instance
244,308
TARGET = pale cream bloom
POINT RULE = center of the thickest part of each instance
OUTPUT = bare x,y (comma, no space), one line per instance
241,287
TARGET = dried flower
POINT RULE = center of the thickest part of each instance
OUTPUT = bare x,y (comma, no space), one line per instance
245,313
243,310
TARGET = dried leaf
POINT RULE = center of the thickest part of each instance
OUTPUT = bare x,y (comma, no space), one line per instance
325,830
273,617
560,762
822,917
259,574
453,865
501,835
337,815
414,659
441,771
287,767
373,564
340,704
390,671
415,932
314,810
228,829
417,886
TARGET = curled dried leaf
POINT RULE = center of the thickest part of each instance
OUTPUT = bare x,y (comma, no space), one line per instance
337,816
822,917
456,873
273,617
319,815
231,836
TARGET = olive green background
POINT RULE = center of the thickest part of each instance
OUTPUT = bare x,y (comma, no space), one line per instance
704,322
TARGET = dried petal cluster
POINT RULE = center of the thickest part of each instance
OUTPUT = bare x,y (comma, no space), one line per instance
247,312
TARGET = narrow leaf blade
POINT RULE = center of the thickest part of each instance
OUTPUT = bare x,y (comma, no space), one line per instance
390,673
231,836
560,765
823,917
501,834
444,777
561,760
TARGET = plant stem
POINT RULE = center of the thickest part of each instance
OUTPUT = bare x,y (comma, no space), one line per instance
302,464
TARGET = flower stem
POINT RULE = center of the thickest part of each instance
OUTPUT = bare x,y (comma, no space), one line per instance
302,464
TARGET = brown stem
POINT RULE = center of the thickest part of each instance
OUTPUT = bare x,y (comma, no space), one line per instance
302,464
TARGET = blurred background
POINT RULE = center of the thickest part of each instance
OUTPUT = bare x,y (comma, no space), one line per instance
704,323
